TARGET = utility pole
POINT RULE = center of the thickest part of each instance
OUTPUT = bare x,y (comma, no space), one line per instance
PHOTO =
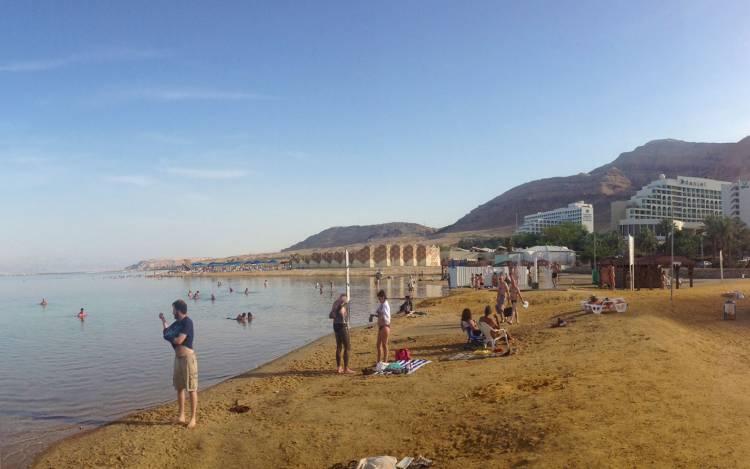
672,278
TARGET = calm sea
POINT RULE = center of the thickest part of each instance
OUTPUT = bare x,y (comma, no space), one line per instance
59,375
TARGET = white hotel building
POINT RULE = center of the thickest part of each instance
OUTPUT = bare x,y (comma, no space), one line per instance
735,200
577,212
686,200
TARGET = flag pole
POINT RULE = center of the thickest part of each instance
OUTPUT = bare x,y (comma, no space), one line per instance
348,288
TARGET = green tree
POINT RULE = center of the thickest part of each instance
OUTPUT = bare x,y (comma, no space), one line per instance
646,242
524,240
606,245
719,232
568,234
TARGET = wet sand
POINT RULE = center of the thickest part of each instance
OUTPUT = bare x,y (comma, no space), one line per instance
660,385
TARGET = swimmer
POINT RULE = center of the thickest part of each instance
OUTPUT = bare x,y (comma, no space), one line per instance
213,297
44,302
231,290
321,288
197,294
249,316
218,284
190,294
81,314
247,291
265,283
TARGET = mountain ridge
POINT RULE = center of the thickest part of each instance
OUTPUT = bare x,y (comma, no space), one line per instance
617,180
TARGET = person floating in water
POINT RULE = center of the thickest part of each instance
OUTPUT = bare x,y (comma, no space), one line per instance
82,314
180,335
43,302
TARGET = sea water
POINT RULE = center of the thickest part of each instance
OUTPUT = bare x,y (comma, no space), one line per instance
60,375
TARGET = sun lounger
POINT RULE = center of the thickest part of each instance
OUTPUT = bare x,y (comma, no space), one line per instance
610,304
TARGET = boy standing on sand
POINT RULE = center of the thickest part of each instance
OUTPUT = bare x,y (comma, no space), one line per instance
180,335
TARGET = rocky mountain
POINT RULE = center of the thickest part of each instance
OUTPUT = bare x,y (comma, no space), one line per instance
617,180
348,235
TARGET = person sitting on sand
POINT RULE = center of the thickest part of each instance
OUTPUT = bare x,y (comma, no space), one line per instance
406,306
180,335
468,324
340,315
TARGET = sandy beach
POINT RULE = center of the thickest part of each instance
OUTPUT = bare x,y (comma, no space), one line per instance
661,385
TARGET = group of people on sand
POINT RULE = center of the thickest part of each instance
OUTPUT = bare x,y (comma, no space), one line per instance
506,308
340,316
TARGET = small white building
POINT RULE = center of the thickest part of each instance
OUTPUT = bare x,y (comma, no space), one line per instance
577,212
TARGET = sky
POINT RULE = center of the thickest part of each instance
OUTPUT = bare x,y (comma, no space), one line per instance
150,129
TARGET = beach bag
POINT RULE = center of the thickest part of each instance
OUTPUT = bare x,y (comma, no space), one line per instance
508,312
403,354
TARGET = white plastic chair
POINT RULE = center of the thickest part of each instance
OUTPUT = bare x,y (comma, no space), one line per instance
487,331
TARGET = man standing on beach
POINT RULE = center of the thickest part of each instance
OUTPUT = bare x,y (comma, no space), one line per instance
180,335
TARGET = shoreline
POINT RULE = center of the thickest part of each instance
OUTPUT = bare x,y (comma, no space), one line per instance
598,392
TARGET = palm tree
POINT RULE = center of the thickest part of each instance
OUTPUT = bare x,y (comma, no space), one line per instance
719,230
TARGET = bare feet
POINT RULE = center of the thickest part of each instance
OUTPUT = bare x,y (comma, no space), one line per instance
349,371
181,420
339,370
192,424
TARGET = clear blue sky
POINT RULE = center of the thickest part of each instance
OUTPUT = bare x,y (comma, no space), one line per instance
133,130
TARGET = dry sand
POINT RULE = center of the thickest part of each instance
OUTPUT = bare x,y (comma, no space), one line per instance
657,386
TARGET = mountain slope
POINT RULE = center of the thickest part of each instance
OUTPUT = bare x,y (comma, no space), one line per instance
346,235
617,180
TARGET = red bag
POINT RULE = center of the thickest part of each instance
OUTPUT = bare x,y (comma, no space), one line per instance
403,354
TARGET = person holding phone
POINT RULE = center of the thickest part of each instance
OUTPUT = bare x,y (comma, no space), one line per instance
180,335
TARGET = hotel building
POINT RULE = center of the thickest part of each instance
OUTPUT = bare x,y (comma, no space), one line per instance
686,200
577,212
735,200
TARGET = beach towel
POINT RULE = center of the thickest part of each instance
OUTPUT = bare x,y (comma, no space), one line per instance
403,367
